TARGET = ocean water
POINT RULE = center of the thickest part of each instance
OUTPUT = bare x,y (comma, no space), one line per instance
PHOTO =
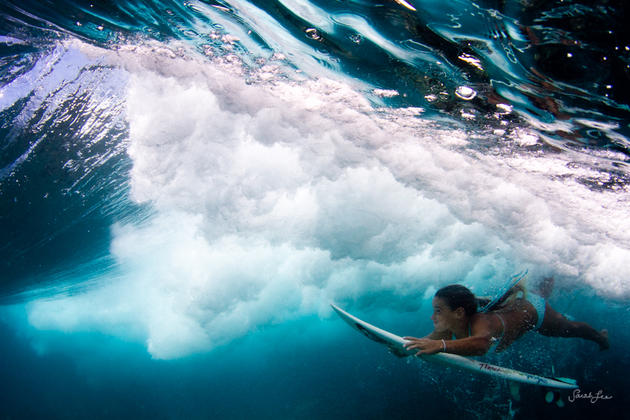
185,187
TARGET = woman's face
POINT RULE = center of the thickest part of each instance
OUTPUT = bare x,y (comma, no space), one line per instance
443,317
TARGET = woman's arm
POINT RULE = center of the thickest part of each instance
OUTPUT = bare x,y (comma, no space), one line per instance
475,345
469,346
432,336
439,335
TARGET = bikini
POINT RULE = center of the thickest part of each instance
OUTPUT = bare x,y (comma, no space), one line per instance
538,302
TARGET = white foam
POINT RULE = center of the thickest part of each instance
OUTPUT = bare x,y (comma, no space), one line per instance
274,199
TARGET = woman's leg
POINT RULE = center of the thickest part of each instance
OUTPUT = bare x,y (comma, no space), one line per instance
557,325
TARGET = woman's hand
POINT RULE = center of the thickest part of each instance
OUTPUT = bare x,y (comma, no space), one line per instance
424,345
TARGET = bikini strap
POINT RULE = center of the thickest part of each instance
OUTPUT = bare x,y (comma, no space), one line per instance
502,324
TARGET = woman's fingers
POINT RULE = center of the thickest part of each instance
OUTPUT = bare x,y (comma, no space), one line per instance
424,345
415,343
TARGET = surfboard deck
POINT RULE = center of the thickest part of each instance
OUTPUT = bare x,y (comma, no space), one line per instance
396,344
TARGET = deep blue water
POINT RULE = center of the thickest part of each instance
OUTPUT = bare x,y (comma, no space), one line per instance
186,186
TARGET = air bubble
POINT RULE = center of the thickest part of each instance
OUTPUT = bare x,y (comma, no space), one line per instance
505,108
313,34
466,93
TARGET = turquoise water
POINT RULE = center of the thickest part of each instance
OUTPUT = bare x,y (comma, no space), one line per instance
186,186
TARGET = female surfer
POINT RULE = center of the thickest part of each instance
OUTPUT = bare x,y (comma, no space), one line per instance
460,329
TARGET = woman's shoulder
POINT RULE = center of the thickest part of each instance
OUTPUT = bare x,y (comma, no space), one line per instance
483,320
482,316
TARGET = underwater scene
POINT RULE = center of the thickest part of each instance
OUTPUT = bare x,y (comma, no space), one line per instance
186,187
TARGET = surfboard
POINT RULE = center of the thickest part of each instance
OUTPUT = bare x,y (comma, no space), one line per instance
396,344
513,281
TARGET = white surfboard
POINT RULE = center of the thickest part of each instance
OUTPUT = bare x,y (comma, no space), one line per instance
396,344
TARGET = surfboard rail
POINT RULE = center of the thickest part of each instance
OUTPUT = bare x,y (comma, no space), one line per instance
396,344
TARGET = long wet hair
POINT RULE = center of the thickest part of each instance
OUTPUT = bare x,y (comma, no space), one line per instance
457,296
